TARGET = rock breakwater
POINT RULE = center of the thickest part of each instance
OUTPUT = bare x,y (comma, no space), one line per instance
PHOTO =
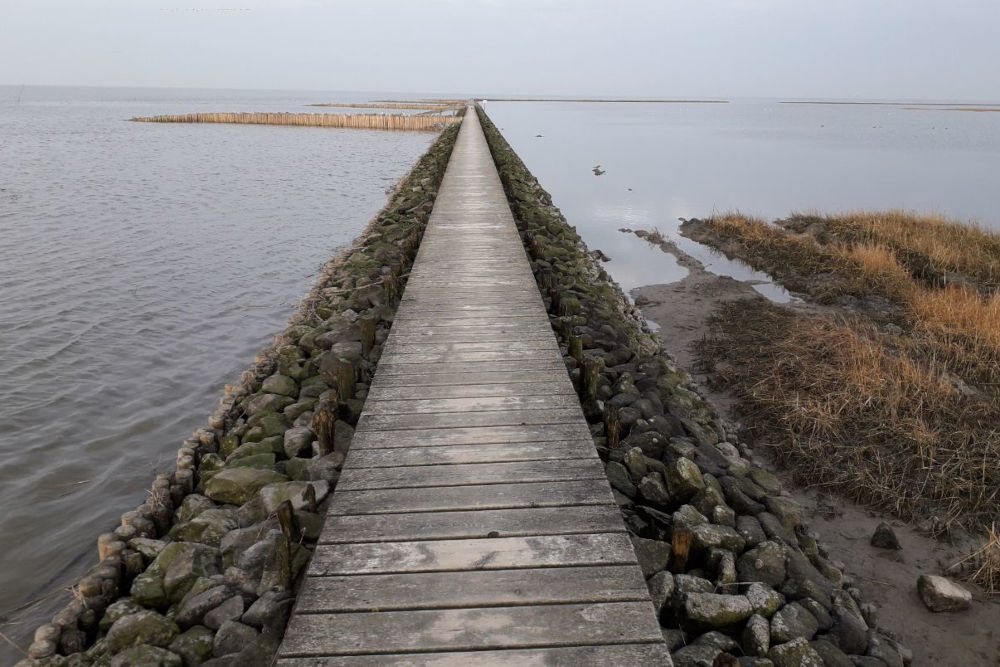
736,574
204,571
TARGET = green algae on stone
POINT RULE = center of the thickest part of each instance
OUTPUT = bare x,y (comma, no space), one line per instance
143,627
236,486
194,645
281,385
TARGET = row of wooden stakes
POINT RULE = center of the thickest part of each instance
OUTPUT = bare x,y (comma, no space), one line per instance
356,121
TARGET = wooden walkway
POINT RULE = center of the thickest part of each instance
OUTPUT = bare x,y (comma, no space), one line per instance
473,523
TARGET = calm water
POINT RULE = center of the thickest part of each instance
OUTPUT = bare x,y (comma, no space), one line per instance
665,161
141,268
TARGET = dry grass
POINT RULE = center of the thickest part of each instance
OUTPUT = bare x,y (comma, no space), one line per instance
929,246
984,563
798,261
442,106
905,418
849,406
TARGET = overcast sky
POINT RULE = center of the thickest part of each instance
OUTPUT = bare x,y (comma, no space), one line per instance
900,49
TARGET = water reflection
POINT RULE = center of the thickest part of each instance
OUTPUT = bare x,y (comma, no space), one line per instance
663,162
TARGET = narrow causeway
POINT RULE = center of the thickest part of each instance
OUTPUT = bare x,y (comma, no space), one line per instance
473,522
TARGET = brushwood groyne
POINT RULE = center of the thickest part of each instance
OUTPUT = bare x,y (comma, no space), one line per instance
365,121
487,449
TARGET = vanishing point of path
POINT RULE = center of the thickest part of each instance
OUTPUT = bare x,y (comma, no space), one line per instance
473,523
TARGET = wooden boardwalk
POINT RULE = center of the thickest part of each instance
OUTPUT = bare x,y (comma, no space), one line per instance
473,523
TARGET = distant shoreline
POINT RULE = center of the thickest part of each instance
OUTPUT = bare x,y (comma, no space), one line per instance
574,99
585,99
953,106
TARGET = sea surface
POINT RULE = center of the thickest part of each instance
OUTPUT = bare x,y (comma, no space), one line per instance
141,268
665,161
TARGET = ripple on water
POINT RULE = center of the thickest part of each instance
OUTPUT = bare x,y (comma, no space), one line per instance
140,269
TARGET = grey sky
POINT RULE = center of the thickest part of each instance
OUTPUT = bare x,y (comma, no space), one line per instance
928,49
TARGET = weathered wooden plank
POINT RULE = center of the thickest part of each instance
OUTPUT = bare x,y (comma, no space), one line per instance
481,435
471,320
491,496
472,404
341,529
512,272
464,474
463,300
448,420
468,629
608,655
483,554
474,336
529,294
417,456
453,311
529,355
389,369
510,326
494,282
395,346
478,588
543,388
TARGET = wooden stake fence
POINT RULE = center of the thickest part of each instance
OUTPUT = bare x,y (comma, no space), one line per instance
357,121
392,105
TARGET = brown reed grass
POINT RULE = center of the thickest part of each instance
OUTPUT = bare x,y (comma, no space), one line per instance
930,246
984,563
846,405
901,417
355,121
435,106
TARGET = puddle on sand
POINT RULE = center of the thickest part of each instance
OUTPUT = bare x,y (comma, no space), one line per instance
646,272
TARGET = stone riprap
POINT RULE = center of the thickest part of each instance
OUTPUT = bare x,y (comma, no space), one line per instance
735,573
205,570
473,523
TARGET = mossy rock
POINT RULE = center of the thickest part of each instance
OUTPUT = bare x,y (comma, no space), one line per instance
312,387
295,410
116,610
297,469
252,449
228,444
144,627
147,655
193,505
269,424
238,485
715,610
210,463
194,645
265,460
294,333
267,402
253,434
209,527
147,588
281,385
194,562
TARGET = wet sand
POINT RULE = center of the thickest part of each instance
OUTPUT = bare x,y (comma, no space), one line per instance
885,577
